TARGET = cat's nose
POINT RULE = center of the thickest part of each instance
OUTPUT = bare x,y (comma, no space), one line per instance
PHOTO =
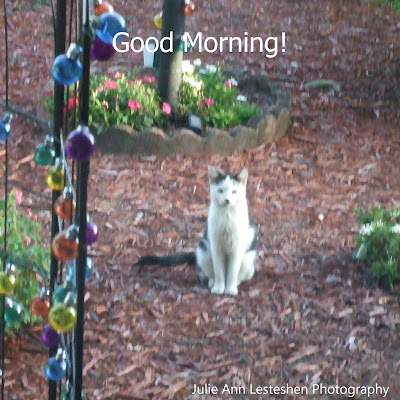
227,202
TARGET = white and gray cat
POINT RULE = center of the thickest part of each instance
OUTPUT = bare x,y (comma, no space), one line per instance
226,254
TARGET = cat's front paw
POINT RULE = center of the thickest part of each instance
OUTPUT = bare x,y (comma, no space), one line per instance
211,283
231,290
218,288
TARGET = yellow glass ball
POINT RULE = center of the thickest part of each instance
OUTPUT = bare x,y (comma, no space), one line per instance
158,20
7,282
62,317
55,176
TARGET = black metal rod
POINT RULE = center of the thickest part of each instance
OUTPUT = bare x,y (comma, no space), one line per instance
59,48
81,206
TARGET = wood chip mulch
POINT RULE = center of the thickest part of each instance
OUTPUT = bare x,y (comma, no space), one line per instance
310,314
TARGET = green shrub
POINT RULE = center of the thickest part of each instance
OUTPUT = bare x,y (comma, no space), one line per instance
381,3
378,242
24,242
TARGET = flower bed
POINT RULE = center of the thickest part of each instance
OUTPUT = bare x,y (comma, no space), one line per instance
129,117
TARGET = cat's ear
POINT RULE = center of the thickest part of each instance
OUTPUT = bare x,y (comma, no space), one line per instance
215,174
242,175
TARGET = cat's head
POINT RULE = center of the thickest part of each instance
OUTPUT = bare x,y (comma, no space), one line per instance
226,190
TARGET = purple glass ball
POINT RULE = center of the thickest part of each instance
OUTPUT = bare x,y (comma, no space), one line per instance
92,233
101,51
80,144
50,337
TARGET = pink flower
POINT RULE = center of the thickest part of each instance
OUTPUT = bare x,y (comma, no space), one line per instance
18,196
73,102
30,214
99,89
134,104
110,84
148,79
105,104
231,82
27,240
117,75
166,108
208,101
48,92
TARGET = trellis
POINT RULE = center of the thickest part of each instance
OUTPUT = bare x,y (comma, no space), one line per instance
68,354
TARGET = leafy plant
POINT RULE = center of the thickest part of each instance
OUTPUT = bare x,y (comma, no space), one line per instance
132,99
381,3
24,242
378,242
213,96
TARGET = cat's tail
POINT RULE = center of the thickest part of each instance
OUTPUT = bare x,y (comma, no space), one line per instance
168,261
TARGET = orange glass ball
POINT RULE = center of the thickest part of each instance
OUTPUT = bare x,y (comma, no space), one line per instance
101,7
189,8
65,245
40,307
64,206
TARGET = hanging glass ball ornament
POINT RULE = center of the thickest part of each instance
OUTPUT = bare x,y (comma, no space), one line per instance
45,152
71,268
189,8
13,312
89,268
92,233
50,337
64,206
101,7
40,305
65,244
55,176
67,69
80,144
5,126
108,25
56,366
158,18
101,51
7,279
61,291
62,316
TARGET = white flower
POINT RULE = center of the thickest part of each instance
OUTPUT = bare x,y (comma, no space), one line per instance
366,229
231,82
193,82
202,71
395,228
197,62
240,97
187,68
211,68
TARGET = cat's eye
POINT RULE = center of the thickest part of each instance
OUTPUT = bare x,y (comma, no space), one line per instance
234,191
220,190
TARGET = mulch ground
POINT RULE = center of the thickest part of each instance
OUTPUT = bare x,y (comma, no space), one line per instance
310,314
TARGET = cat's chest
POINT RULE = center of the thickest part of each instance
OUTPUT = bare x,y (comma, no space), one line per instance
226,229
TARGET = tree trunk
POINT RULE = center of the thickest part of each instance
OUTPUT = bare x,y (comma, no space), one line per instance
170,70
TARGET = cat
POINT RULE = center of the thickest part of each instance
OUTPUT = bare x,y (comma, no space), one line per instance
226,254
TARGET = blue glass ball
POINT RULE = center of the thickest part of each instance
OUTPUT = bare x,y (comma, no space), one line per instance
5,130
66,71
88,270
55,369
111,24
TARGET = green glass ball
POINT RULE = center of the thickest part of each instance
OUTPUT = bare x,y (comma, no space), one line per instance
13,312
44,155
